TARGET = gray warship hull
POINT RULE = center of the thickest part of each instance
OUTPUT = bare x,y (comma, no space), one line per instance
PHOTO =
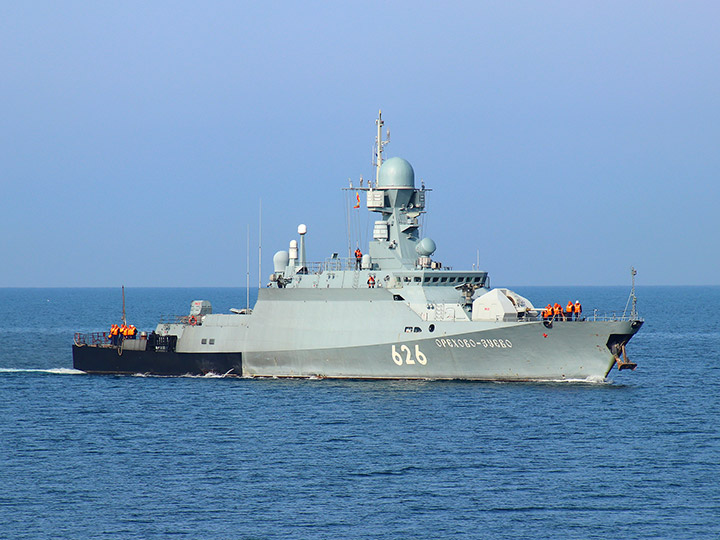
367,334
519,353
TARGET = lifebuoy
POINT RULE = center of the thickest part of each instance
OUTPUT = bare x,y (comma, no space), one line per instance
192,321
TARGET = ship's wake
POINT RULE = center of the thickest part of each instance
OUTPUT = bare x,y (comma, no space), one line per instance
53,371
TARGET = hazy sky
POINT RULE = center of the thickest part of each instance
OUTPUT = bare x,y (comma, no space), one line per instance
566,141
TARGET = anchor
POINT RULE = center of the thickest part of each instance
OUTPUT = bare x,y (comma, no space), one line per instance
624,363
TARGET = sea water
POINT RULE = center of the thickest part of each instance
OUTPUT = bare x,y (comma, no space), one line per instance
89,456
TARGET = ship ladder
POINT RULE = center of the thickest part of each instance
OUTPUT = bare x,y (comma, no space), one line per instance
624,363
356,278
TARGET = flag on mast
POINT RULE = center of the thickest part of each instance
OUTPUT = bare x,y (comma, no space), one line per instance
357,195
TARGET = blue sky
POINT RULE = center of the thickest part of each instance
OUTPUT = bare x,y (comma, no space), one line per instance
566,141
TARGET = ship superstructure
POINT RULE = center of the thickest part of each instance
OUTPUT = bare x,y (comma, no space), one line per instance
393,313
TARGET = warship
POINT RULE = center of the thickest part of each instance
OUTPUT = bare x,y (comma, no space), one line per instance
391,313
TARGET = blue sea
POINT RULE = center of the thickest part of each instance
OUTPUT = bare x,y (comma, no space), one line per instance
131,457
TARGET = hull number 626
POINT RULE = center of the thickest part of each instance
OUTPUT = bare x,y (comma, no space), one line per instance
406,356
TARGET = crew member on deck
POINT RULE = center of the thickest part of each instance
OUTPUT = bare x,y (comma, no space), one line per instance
114,333
578,310
371,281
569,310
547,313
358,258
558,312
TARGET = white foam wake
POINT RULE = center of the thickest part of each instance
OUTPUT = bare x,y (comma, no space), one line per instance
54,371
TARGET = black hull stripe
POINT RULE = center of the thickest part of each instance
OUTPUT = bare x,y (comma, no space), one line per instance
107,360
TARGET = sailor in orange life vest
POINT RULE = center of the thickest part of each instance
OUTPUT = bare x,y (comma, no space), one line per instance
578,310
558,312
547,312
371,281
358,258
114,333
569,310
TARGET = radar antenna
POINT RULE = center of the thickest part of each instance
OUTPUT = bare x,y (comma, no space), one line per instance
379,146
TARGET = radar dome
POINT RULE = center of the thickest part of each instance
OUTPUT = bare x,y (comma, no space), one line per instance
425,247
280,261
396,173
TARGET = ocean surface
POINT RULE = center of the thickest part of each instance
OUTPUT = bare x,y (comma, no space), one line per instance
84,456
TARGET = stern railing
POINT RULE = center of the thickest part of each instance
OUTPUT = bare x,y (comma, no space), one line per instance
92,338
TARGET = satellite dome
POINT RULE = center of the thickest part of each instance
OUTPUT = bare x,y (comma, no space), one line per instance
396,173
425,247
280,261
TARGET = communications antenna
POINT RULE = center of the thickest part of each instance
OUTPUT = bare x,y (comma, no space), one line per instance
633,310
123,298
379,146
633,313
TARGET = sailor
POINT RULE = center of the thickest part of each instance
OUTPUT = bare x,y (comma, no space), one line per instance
358,258
569,310
558,312
131,332
371,281
547,312
578,310
114,333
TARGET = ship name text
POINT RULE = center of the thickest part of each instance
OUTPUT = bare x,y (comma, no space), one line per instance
471,343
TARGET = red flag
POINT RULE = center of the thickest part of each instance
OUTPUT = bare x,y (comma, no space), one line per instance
358,200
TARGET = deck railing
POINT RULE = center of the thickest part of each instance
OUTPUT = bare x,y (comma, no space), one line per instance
92,338
595,316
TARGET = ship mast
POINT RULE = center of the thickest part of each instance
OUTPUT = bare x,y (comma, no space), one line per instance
633,312
379,146
124,321
632,297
